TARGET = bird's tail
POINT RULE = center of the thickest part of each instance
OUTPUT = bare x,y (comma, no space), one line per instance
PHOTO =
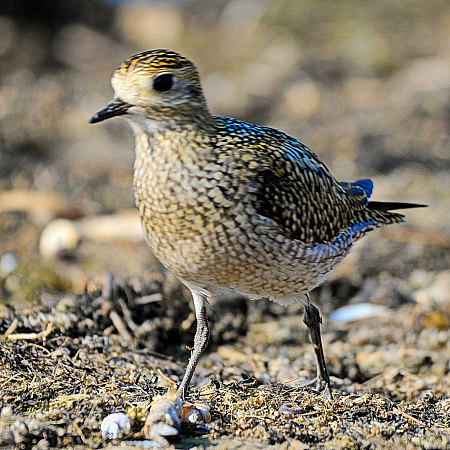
391,206
371,212
378,214
367,214
381,211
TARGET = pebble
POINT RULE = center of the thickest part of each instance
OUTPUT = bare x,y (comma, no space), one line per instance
20,431
8,263
196,413
360,311
43,444
6,411
290,409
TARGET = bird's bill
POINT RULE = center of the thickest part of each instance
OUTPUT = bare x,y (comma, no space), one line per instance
116,108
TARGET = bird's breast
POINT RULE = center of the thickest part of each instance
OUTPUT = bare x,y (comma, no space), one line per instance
190,205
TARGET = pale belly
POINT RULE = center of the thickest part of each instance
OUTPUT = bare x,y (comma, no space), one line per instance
249,255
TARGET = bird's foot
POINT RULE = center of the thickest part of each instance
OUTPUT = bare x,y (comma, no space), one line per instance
320,385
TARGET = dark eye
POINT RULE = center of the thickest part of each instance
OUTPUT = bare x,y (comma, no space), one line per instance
163,82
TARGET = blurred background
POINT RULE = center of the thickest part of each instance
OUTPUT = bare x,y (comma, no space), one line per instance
366,85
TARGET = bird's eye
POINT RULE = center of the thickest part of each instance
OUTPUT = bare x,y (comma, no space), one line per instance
163,82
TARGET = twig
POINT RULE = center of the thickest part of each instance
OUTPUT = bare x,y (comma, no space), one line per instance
120,326
32,336
37,346
11,378
408,417
10,329
61,346
77,428
127,315
165,377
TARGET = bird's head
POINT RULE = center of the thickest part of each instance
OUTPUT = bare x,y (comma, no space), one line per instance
157,85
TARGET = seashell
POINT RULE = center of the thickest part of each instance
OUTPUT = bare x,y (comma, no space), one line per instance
8,263
196,413
164,418
60,234
290,409
115,425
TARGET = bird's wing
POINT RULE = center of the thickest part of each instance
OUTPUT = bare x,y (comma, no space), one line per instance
310,205
297,191
291,185
294,189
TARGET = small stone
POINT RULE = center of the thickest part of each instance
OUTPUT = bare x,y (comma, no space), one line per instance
43,444
20,431
8,263
115,425
6,411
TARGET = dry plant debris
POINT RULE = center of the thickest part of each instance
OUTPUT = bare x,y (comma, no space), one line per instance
65,367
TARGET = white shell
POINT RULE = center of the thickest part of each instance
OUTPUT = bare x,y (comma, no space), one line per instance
114,425
61,234
8,263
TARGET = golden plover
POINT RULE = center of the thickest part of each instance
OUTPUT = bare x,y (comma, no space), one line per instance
227,205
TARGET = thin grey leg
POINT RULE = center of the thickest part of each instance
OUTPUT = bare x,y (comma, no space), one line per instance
313,320
200,341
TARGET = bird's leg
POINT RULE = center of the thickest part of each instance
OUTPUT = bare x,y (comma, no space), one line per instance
200,341
313,320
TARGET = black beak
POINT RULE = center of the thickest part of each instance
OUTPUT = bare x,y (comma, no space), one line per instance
116,108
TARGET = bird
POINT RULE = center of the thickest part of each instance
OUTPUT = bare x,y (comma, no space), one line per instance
231,206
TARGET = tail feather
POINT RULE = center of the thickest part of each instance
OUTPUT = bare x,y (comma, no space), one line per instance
391,206
378,214
369,215
365,185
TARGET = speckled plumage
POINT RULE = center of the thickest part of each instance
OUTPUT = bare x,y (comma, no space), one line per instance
230,205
